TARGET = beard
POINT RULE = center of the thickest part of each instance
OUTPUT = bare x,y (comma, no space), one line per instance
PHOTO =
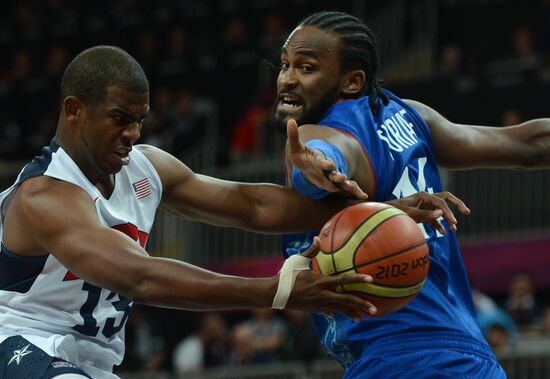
309,115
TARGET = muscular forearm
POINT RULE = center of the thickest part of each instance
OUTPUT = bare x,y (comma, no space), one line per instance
174,284
281,210
264,208
115,262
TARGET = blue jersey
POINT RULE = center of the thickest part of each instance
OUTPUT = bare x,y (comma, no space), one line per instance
397,143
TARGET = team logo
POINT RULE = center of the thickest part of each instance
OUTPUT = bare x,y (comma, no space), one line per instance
19,354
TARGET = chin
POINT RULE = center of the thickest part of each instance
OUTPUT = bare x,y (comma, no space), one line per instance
279,123
279,120
112,169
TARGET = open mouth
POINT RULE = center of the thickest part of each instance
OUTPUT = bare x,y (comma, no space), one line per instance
290,103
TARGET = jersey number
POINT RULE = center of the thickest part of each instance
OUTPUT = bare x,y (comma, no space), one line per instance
406,188
123,304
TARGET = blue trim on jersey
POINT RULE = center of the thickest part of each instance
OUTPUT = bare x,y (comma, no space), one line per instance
18,273
39,164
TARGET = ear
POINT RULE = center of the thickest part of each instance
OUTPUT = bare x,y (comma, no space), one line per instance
73,109
353,82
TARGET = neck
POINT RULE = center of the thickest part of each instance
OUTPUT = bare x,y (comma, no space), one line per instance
61,138
105,183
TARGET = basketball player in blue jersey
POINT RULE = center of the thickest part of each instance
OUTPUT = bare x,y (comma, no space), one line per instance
351,128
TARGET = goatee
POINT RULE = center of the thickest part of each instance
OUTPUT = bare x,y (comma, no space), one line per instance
309,116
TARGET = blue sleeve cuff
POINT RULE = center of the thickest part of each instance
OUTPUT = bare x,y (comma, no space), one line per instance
303,186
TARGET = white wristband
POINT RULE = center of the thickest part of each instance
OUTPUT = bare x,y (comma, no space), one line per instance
287,277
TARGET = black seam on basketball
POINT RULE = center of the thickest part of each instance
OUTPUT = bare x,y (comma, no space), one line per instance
384,297
332,238
359,226
380,259
372,230
423,242
390,286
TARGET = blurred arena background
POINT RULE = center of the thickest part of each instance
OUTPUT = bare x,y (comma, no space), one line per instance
476,61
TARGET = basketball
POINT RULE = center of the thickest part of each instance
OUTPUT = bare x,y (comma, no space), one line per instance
379,240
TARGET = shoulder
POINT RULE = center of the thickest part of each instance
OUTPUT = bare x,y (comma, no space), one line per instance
428,114
44,196
156,156
170,169
43,208
148,150
435,120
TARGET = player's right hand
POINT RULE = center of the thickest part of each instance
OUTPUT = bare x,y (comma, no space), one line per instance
314,292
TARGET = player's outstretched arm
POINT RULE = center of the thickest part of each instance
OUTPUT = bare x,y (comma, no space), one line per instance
459,146
267,208
109,259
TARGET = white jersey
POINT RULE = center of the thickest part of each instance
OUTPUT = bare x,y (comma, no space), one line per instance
45,303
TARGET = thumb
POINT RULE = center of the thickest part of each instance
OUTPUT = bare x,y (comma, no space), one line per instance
312,251
293,135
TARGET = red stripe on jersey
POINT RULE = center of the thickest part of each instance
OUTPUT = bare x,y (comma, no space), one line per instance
70,276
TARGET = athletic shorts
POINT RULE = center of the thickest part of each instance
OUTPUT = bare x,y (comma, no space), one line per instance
21,359
426,364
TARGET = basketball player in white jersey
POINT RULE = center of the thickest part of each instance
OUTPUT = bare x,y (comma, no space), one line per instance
74,224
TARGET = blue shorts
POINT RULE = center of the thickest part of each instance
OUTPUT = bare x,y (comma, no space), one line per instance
21,359
426,364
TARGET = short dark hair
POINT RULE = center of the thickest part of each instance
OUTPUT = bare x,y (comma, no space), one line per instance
358,50
90,73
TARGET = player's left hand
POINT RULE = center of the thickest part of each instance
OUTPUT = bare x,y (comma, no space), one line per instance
316,167
429,208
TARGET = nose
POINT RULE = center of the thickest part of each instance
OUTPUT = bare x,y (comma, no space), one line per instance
132,132
287,78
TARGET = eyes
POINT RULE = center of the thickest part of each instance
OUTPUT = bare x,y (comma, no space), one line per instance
123,120
306,68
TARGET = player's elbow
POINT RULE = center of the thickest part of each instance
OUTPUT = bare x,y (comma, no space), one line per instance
135,282
540,156
533,144
260,222
144,289
535,155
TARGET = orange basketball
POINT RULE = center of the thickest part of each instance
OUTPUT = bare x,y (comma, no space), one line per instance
379,240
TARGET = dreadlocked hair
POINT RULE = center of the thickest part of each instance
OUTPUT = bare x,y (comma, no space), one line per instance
358,50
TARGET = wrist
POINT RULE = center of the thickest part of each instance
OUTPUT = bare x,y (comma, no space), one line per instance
268,288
